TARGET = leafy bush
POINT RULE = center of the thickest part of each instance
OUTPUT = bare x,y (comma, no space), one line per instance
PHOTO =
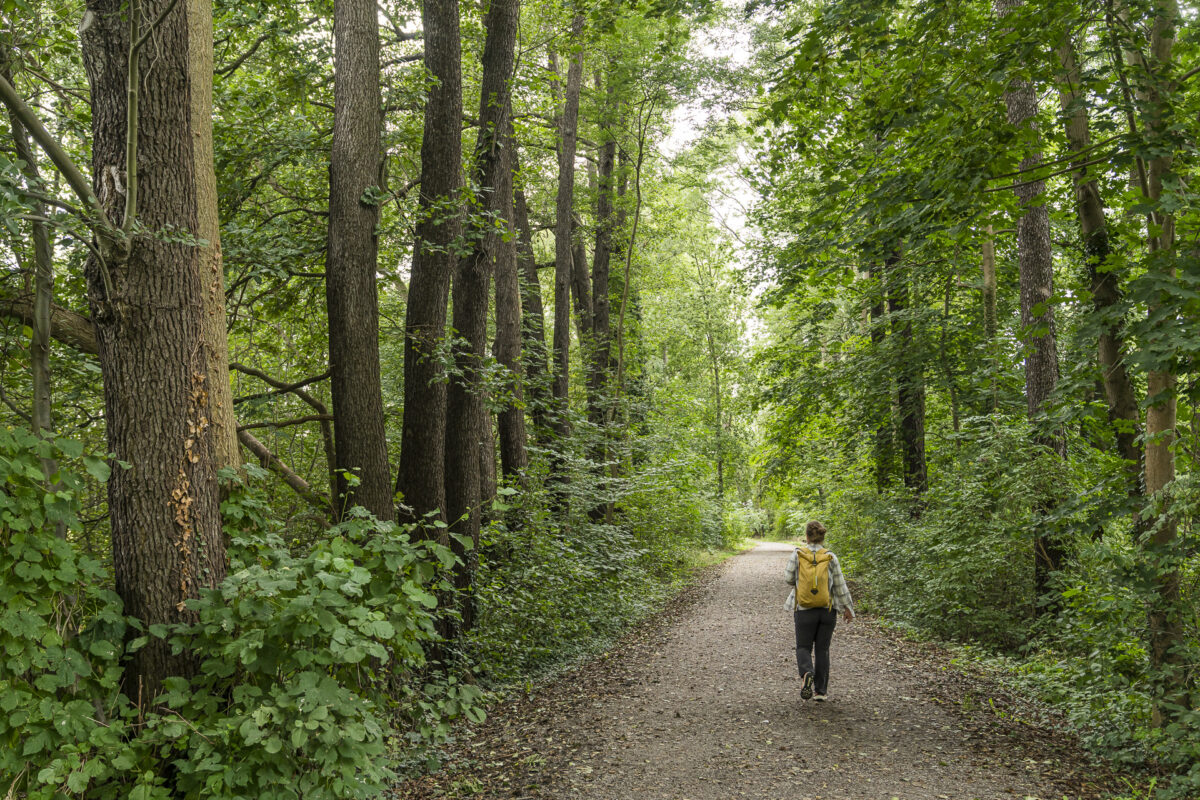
311,659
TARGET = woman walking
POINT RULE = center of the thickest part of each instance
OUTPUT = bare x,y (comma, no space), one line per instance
819,594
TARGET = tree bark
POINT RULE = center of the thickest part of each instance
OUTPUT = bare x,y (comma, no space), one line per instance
40,310
74,330
149,313
355,162
1166,615
216,343
1036,267
507,346
1103,276
421,478
533,315
581,286
563,252
910,380
881,411
601,259
991,324
465,411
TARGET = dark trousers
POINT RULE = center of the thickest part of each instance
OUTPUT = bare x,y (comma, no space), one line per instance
814,627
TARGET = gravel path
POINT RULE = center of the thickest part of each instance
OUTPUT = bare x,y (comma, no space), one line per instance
706,705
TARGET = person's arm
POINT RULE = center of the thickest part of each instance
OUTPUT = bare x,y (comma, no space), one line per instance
839,589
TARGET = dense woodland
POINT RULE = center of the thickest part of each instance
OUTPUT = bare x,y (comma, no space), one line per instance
363,360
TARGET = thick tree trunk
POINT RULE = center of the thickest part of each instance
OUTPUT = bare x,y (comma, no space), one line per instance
149,312
421,477
507,347
563,252
1036,266
212,268
465,412
360,439
1104,278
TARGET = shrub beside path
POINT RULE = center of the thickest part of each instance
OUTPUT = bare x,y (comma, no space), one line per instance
703,703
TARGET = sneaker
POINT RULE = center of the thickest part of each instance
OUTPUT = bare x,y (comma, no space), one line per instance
806,691
820,698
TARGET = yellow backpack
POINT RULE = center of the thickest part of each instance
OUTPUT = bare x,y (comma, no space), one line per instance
812,578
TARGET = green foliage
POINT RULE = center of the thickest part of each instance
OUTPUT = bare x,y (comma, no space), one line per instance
551,587
61,726
311,660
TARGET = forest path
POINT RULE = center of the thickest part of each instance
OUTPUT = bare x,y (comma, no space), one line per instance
704,704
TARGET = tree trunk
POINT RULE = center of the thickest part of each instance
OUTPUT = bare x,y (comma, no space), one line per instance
149,311
507,347
563,254
212,267
910,380
601,258
1166,615
991,324
421,478
43,288
581,286
465,411
360,439
533,315
881,410
1104,278
1036,266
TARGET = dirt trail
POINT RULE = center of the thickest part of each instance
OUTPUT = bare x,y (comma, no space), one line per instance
706,706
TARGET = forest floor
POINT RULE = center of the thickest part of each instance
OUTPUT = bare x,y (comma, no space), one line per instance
702,702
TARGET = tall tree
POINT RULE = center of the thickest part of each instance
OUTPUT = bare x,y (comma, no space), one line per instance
910,379
1036,271
148,305
208,230
421,477
465,435
533,322
1104,276
601,367
43,280
1166,616
355,164
507,346
563,225
881,410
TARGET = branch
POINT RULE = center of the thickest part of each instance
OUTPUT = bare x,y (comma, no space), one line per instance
1060,159
275,465
1071,168
317,405
72,329
280,387
75,179
287,422
157,21
225,72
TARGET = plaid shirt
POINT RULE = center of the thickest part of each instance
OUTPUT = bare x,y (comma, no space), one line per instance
839,593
